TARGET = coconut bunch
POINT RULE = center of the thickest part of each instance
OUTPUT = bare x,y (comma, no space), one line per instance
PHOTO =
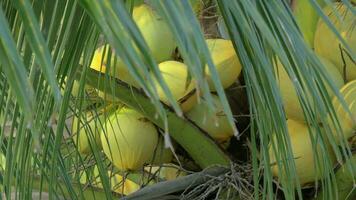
337,60
175,73
339,66
328,45
128,140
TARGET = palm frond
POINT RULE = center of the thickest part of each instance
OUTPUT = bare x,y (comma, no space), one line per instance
46,48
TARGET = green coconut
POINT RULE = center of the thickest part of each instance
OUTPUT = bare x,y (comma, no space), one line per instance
215,124
347,122
225,60
291,103
302,149
129,139
86,129
175,74
327,44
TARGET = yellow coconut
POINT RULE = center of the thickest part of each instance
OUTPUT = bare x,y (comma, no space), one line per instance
347,122
101,63
216,124
86,130
123,185
328,45
129,139
175,75
226,62
155,31
119,184
167,172
302,149
292,106
161,153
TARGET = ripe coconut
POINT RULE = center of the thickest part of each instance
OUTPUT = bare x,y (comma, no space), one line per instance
119,184
155,31
86,130
302,149
225,60
216,124
175,74
148,22
161,153
328,45
128,139
347,122
167,172
101,63
291,103
307,18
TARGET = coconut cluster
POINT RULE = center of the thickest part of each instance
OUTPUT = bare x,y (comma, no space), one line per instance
340,67
129,140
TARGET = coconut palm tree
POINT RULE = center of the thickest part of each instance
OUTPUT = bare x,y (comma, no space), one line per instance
46,50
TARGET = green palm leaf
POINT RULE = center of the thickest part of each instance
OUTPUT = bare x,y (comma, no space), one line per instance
46,48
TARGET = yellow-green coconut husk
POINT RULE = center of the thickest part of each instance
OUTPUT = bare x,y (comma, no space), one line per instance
158,38
327,44
175,74
129,139
215,124
156,32
347,122
225,60
167,172
303,154
289,95
86,129
118,183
